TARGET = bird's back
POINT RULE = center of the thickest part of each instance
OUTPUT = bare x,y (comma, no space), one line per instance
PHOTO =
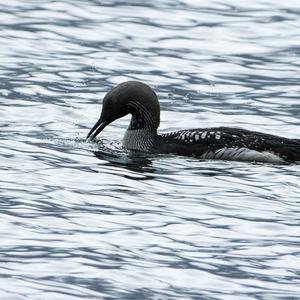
230,144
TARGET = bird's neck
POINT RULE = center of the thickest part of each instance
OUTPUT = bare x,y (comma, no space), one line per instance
142,129
141,139
141,123
143,116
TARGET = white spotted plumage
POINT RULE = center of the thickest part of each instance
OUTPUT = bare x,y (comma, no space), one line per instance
195,136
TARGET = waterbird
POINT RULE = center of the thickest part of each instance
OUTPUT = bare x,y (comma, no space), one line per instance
223,143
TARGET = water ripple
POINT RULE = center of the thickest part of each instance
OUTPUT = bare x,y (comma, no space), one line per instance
91,221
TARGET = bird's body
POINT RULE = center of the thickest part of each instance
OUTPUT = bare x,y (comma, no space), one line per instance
224,143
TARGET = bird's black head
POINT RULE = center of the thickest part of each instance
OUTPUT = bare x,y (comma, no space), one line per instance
131,97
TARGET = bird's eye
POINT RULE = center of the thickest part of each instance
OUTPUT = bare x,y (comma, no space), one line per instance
107,101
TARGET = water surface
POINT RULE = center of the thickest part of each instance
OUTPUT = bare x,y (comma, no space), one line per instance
87,221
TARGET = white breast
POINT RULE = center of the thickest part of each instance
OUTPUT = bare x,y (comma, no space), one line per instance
243,154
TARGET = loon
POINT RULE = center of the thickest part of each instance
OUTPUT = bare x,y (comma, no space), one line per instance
223,143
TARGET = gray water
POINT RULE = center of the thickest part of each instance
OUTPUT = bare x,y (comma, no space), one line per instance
81,220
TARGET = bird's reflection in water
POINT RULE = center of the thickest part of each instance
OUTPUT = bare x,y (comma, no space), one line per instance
133,161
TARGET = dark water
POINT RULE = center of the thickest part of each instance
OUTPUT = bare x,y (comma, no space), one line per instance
75,225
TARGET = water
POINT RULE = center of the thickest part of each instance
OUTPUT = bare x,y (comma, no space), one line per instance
82,224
